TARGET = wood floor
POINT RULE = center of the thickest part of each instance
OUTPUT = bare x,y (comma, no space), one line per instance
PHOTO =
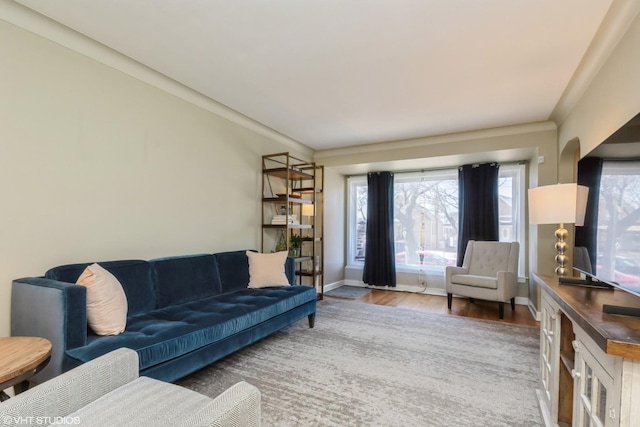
486,310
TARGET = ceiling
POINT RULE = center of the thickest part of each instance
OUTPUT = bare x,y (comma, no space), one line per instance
335,73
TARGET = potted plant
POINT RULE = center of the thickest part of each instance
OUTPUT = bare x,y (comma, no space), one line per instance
295,243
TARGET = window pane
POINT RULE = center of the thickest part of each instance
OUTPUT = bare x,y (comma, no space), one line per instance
426,218
357,217
588,383
505,208
619,224
512,192
602,403
360,194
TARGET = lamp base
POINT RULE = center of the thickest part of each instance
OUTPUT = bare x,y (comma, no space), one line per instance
561,271
561,247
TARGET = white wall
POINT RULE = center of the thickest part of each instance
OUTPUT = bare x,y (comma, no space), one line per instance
98,165
522,142
334,227
612,98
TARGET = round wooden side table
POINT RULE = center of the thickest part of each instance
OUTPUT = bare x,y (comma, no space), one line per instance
20,359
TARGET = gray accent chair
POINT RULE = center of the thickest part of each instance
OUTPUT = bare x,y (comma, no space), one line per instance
107,391
489,272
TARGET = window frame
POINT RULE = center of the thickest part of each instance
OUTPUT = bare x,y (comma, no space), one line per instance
516,170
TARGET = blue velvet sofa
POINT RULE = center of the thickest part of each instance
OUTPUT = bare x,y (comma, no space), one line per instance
184,312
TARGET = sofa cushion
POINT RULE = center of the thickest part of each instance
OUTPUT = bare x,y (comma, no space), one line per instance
184,278
135,276
266,270
106,301
474,280
489,257
169,332
234,270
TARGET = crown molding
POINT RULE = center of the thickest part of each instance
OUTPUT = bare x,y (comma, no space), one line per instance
439,139
27,19
613,27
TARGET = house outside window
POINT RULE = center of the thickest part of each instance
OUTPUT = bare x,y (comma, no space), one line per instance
426,216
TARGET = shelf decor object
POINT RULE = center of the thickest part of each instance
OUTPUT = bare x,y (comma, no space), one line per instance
292,214
558,204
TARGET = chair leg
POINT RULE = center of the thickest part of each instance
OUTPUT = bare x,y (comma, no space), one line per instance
449,299
312,320
513,303
501,310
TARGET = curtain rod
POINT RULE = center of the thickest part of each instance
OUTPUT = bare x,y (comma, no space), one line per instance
519,162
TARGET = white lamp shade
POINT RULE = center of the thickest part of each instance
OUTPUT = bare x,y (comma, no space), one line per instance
556,204
307,209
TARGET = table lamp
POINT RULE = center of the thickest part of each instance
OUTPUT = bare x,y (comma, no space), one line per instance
308,209
558,204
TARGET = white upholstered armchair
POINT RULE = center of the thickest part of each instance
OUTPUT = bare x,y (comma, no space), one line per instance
489,272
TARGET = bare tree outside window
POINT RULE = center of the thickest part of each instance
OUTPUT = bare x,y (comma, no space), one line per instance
426,216
426,219
361,220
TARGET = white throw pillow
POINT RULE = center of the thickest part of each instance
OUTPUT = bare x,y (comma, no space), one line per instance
106,301
267,270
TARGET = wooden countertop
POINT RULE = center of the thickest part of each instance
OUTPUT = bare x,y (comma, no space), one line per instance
615,334
21,354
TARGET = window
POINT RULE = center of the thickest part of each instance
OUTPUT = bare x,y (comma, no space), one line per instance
426,216
619,223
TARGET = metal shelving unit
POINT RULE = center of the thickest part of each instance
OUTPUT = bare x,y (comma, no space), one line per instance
293,204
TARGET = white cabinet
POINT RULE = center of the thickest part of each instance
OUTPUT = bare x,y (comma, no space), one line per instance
557,365
597,385
549,355
589,377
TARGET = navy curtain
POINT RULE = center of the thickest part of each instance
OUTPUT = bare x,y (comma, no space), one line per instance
589,175
379,261
478,205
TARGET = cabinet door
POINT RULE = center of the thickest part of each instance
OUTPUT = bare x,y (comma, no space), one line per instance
549,355
593,392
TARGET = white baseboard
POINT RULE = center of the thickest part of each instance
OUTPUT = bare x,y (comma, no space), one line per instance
397,288
414,289
333,285
535,313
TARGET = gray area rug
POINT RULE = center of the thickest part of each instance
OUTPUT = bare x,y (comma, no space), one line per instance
348,292
368,365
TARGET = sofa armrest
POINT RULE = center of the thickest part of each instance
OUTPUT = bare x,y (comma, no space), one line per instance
53,310
450,271
290,270
67,393
238,406
507,285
